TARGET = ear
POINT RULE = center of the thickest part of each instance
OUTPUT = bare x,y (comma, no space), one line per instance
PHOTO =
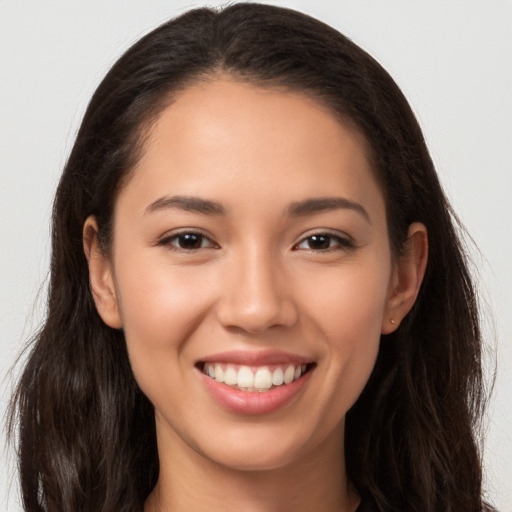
407,277
101,278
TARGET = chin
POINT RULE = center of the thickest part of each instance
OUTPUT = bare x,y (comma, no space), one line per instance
260,447
252,460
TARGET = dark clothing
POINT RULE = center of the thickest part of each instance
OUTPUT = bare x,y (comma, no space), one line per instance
367,505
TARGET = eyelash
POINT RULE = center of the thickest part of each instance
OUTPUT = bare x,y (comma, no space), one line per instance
342,243
168,241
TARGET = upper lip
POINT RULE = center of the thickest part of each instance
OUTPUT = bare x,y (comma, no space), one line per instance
256,358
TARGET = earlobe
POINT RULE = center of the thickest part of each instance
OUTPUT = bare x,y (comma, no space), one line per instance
407,278
101,279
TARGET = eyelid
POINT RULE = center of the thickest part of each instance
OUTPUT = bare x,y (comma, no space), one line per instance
166,239
345,241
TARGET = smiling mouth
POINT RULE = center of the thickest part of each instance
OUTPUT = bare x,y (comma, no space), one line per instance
255,379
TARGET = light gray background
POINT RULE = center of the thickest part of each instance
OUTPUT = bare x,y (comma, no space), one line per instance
453,60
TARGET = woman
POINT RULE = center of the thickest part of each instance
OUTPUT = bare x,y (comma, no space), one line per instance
258,296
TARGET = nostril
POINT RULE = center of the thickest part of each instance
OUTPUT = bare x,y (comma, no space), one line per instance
256,317
254,296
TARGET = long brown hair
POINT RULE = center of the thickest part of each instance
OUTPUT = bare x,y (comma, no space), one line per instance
86,432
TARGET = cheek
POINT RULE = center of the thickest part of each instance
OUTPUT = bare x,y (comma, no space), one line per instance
351,301
346,312
160,308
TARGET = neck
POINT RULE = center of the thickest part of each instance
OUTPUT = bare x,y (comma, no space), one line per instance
190,482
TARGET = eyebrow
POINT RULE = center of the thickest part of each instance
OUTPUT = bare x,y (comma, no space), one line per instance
296,209
188,204
322,204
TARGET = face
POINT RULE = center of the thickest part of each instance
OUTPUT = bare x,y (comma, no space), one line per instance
251,273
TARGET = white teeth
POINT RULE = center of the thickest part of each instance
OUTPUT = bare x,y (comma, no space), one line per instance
230,376
289,374
263,379
219,373
244,379
278,377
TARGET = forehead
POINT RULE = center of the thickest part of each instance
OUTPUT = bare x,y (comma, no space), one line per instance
224,136
213,111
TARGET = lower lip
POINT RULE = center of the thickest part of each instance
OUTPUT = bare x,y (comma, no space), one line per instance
245,402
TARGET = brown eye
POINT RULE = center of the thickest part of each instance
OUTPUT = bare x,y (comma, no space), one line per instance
189,241
319,242
324,242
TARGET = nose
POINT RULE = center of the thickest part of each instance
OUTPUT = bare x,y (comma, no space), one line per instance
256,294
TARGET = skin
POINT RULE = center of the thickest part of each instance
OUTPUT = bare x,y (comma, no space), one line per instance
255,282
